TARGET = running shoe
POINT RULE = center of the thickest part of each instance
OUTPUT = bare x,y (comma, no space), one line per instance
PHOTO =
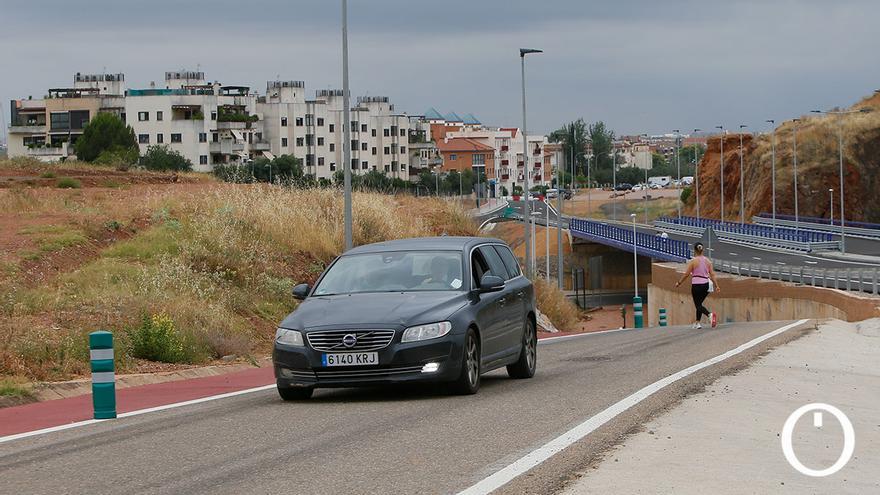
714,318
698,325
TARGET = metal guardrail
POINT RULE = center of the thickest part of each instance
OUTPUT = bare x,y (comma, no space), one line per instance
807,226
752,229
826,221
850,279
622,238
748,235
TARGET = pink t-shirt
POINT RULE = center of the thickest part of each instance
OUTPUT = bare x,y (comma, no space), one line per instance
700,273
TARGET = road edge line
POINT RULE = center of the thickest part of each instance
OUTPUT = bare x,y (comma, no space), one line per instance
138,412
544,452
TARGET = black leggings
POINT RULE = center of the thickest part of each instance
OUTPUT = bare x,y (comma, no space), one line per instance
699,293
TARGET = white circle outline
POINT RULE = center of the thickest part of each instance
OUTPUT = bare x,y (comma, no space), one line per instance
849,440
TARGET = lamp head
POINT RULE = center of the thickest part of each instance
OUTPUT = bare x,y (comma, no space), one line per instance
524,51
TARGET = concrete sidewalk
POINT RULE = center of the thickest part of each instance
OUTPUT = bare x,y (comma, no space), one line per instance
727,438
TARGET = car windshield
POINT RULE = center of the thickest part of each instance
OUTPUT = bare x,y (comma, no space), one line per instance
393,271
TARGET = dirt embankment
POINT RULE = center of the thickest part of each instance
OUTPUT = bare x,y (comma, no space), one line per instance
818,171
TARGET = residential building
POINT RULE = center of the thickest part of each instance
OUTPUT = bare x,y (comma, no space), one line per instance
210,123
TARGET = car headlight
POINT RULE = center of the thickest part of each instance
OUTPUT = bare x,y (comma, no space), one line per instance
425,332
289,337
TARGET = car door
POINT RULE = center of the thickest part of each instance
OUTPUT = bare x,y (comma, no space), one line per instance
489,310
520,293
509,303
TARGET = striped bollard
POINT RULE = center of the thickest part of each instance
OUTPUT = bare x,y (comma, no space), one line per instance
103,377
662,317
637,312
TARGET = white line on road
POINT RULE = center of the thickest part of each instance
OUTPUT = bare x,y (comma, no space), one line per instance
756,258
780,262
68,426
811,262
734,254
551,448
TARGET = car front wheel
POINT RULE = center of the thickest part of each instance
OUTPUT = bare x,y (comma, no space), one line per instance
524,367
468,381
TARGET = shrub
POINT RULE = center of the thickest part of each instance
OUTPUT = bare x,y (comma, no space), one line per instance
555,306
68,183
47,175
162,158
157,339
119,158
686,194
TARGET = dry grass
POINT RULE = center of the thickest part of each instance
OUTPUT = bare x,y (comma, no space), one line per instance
219,261
553,303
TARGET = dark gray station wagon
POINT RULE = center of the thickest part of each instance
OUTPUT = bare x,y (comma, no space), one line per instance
438,309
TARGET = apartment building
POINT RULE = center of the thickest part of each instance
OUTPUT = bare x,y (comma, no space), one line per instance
210,123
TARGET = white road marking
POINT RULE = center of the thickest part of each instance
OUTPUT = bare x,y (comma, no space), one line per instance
551,448
26,434
734,254
811,262
549,340
780,262
756,258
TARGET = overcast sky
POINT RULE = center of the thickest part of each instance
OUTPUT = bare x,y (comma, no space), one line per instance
640,65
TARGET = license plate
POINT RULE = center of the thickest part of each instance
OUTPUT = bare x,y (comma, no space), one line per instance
350,359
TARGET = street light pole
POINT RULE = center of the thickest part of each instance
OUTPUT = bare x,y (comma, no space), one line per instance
547,238
635,259
677,165
589,190
794,138
346,126
722,171
742,179
613,183
697,174
526,214
773,168
559,203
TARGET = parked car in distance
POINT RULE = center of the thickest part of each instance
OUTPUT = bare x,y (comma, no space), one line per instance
638,187
438,309
566,194
625,186
552,193
662,180
687,180
656,186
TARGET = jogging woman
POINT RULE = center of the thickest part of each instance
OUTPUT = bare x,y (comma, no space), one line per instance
699,268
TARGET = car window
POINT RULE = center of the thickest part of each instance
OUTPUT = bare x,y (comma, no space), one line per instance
496,266
509,261
393,271
479,267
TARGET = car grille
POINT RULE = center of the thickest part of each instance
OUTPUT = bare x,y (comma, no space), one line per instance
367,340
370,373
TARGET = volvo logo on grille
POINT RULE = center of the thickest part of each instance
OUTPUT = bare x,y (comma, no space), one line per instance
350,340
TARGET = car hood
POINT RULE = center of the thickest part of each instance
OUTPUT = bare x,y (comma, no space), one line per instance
389,309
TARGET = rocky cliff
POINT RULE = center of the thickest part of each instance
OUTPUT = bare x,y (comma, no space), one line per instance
817,168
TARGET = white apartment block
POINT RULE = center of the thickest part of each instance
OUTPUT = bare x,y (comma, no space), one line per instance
210,123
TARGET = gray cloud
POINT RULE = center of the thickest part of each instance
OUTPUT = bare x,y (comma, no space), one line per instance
642,66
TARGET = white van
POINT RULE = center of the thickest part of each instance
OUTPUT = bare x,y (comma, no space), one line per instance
662,181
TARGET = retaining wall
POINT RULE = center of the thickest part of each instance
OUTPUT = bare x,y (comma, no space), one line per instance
752,299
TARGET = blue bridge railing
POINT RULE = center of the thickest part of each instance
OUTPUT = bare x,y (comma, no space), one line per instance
653,246
782,233
824,221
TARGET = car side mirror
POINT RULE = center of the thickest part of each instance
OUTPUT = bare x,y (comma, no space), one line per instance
301,291
491,283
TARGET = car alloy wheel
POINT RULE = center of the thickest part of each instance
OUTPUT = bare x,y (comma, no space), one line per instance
473,361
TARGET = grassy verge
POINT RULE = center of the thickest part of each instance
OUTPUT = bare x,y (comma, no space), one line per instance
555,306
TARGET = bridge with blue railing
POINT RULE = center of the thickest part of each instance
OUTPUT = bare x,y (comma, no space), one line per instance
778,237
652,246
814,224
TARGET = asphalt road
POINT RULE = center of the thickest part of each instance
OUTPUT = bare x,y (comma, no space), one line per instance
746,254
387,440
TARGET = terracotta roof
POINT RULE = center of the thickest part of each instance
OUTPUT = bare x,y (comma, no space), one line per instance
463,144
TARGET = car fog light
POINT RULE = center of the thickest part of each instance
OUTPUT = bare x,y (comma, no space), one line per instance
430,367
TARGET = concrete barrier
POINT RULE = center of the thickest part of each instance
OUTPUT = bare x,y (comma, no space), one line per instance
750,299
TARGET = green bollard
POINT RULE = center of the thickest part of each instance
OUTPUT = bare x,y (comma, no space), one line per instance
103,377
637,312
662,317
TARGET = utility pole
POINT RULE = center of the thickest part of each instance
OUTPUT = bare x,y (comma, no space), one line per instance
742,179
773,168
722,171
526,214
346,126
794,138
559,203
614,183
697,174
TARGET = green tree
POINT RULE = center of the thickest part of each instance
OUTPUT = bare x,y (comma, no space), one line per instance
161,157
573,136
105,132
602,140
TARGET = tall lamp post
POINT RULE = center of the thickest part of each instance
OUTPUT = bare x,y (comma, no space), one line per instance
346,126
840,165
613,183
742,179
697,174
645,190
773,167
526,215
678,166
637,301
721,128
559,203
794,171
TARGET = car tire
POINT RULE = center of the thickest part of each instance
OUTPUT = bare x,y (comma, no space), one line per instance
468,381
295,393
525,366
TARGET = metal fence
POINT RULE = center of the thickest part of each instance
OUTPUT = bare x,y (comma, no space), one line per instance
872,231
753,235
850,279
622,238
